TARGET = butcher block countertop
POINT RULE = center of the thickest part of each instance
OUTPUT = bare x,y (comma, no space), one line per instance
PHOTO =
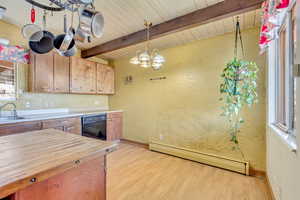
36,156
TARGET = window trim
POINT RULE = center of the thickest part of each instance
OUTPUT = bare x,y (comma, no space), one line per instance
289,76
16,96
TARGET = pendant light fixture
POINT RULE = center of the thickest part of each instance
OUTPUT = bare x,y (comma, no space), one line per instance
148,58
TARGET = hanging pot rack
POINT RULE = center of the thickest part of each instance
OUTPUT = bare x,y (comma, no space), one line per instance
60,5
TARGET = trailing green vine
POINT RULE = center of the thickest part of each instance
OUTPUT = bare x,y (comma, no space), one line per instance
238,88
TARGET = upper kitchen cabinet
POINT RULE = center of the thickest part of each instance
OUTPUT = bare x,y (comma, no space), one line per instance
52,73
83,76
61,74
49,73
41,72
105,79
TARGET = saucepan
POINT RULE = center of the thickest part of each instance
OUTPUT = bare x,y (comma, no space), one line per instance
91,23
65,43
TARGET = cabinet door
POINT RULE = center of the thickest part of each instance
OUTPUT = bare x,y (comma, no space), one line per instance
70,125
43,72
73,126
83,76
61,74
114,126
85,182
19,128
105,79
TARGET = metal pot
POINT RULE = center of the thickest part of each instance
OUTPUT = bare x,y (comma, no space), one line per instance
91,22
62,42
70,51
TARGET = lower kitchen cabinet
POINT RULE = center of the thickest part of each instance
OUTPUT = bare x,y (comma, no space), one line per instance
85,182
9,129
70,125
114,126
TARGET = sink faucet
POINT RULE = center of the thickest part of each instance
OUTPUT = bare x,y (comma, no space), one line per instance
14,110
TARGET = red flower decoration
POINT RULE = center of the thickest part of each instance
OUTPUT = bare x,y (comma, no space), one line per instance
264,28
26,57
283,4
263,40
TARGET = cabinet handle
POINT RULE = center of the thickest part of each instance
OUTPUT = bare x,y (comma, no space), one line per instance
70,128
33,180
77,162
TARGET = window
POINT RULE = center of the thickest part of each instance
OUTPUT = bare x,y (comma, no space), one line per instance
284,81
7,81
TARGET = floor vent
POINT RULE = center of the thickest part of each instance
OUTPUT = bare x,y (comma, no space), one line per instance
209,159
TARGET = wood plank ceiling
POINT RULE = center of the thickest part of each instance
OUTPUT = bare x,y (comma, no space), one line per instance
123,17
248,20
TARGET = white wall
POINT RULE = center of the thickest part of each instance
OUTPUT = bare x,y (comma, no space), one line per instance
283,165
283,168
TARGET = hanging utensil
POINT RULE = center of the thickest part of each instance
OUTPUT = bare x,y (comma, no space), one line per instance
81,1
29,30
45,44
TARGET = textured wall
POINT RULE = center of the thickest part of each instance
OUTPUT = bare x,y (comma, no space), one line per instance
282,164
184,110
42,101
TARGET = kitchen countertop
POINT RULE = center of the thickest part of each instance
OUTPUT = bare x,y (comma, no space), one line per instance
55,115
43,154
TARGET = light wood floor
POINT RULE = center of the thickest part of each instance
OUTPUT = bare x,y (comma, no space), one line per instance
135,173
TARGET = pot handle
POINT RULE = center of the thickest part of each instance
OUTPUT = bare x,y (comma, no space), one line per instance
44,20
65,23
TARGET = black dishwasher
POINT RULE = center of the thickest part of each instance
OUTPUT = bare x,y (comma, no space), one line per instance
94,126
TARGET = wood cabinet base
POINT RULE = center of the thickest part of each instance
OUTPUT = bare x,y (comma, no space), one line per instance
85,182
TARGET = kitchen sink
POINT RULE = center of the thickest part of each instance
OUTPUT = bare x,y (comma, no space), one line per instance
11,118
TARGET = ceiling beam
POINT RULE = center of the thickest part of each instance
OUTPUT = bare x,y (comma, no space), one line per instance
202,16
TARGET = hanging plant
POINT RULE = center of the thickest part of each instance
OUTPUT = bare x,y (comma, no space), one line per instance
238,88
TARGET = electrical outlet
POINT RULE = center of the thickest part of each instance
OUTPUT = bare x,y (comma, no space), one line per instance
27,104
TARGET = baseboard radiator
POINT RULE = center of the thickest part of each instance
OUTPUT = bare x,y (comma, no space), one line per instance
205,158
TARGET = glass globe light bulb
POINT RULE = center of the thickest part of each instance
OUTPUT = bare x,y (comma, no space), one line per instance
144,57
135,60
158,59
145,64
156,66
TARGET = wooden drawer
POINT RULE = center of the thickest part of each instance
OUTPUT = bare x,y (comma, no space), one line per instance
20,128
59,122
71,125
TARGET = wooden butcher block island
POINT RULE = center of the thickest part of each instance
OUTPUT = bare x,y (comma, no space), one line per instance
53,165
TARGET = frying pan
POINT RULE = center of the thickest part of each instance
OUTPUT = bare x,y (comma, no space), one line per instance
45,44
